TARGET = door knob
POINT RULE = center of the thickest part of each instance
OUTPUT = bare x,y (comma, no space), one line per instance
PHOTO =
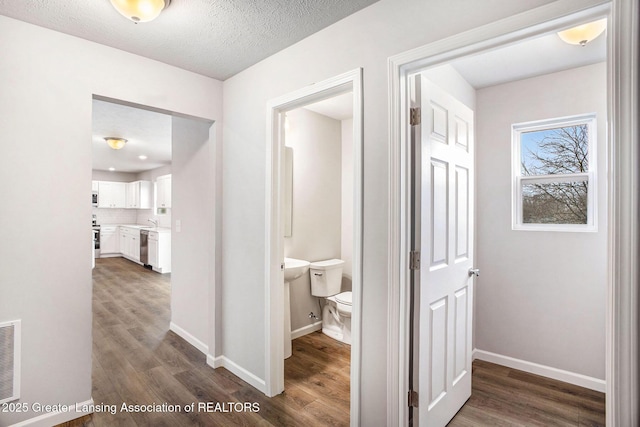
474,272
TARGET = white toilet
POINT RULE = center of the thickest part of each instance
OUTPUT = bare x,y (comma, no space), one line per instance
326,281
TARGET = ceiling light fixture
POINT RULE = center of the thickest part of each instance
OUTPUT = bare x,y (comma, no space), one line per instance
583,34
112,169
142,157
115,143
140,10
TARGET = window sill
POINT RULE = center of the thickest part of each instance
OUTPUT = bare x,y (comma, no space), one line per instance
563,228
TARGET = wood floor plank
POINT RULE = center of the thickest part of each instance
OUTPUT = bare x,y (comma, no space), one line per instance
502,396
328,415
275,410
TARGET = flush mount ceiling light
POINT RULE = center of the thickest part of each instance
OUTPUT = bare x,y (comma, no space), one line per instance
583,34
115,143
140,10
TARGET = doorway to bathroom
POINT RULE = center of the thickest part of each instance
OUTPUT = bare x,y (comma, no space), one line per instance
314,213
488,164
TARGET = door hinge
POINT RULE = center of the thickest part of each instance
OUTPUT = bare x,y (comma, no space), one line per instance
414,116
413,399
414,260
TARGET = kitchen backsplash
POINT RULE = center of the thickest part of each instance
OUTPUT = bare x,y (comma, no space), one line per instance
115,216
131,216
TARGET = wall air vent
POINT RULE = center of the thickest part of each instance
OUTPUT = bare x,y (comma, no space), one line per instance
9,361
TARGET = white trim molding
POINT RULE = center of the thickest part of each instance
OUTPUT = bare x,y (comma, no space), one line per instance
532,23
305,330
54,418
542,370
623,329
237,370
202,347
350,81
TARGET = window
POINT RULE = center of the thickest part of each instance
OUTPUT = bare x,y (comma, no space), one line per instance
554,174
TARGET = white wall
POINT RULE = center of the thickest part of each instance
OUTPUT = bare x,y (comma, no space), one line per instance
47,82
541,296
193,219
97,175
152,174
366,39
316,220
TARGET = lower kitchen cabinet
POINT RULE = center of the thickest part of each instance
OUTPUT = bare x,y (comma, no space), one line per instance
159,245
109,240
130,243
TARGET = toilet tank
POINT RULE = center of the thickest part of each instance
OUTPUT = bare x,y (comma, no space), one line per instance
326,277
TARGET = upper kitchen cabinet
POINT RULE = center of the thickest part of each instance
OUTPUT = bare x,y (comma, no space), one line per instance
163,191
138,195
112,194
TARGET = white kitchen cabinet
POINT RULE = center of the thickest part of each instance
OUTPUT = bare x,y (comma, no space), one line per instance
109,240
138,195
130,243
132,196
94,186
160,251
152,245
163,191
111,194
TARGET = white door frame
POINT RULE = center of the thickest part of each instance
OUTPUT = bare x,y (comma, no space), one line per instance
622,407
274,239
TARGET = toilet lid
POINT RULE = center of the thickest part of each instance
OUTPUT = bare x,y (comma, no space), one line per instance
344,298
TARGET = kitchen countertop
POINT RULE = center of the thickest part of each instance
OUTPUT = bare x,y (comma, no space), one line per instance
140,227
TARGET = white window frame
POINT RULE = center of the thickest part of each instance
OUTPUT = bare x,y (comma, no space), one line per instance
518,180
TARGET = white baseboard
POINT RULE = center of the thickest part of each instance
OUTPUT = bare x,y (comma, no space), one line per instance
542,370
306,330
189,338
220,361
240,372
214,362
53,418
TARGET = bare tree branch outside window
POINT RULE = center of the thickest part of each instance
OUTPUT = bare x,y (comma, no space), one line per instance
559,151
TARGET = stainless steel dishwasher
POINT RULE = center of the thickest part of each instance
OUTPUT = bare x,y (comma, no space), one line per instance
144,247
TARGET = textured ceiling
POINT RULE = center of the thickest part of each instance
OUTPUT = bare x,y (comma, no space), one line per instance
216,38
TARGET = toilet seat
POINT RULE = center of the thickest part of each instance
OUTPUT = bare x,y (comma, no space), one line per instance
344,298
343,303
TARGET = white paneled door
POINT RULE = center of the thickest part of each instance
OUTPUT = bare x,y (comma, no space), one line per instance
444,236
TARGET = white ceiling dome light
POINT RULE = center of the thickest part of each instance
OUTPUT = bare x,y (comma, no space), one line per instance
583,34
140,10
115,143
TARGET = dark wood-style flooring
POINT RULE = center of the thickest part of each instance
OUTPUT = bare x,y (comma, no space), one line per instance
137,360
503,396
